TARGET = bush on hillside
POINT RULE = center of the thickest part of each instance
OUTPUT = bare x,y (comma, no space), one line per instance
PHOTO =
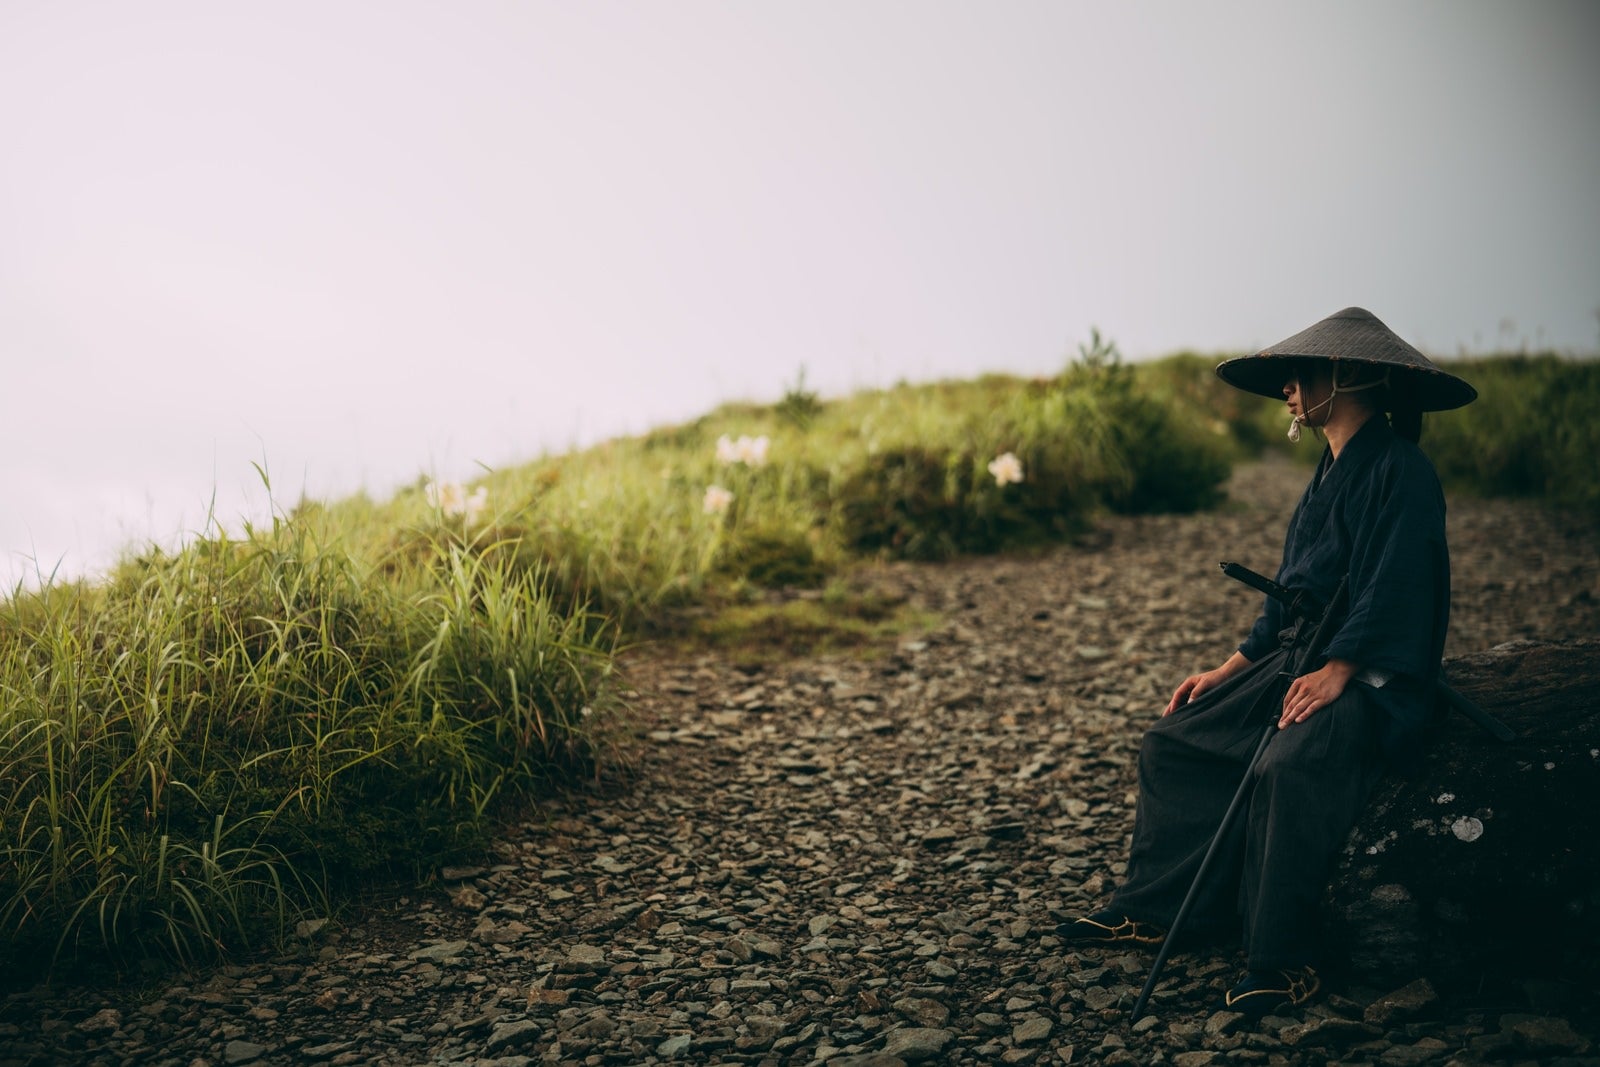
1176,465
1187,383
1174,459
1089,438
773,558
1531,433
912,502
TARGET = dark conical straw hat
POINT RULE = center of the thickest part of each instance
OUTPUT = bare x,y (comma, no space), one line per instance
1355,335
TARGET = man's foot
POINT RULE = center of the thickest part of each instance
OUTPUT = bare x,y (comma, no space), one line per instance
1110,928
1261,993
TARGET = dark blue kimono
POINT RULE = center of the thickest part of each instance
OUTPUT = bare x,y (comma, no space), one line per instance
1377,516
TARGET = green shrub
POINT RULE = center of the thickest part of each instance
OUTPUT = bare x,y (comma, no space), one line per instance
1176,465
776,560
1531,433
1174,457
799,406
934,497
911,503
1187,383
1091,437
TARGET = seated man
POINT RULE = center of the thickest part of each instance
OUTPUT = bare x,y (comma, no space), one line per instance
1373,515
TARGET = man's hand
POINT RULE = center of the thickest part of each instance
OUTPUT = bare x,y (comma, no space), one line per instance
1196,684
1310,693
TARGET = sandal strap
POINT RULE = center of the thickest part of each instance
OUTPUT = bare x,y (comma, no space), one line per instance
1127,930
1297,988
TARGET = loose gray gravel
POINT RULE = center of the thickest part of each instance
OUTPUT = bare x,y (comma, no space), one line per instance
860,861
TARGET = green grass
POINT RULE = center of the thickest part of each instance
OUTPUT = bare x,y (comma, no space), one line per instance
199,750
1531,433
207,745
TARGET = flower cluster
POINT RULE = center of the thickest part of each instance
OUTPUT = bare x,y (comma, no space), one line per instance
452,500
751,451
716,500
1006,468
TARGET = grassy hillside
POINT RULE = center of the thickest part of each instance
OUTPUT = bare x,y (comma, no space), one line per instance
208,745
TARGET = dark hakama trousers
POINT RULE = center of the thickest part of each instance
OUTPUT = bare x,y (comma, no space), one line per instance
1267,881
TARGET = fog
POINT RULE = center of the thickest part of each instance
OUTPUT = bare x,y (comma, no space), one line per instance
358,243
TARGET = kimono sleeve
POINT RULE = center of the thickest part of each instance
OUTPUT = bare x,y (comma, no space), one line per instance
1263,636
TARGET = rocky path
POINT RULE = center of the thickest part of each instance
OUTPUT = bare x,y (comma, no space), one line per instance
862,862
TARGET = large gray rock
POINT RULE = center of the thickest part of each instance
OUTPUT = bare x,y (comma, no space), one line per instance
1485,863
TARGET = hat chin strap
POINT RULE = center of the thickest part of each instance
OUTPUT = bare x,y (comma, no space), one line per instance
1300,420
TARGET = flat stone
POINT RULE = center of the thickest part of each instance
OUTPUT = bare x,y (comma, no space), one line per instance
764,1029
1032,1031
549,997
1099,998
512,1035
242,1052
325,1050
675,1046
1327,1033
1539,1035
443,951
914,1044
586,955
1402,1004
924,1011
104,1021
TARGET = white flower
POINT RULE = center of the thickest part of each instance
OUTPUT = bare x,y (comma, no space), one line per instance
452,500
751,451
1467,828
1006,467
717,500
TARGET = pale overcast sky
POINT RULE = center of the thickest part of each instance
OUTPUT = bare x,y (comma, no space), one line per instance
365,240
